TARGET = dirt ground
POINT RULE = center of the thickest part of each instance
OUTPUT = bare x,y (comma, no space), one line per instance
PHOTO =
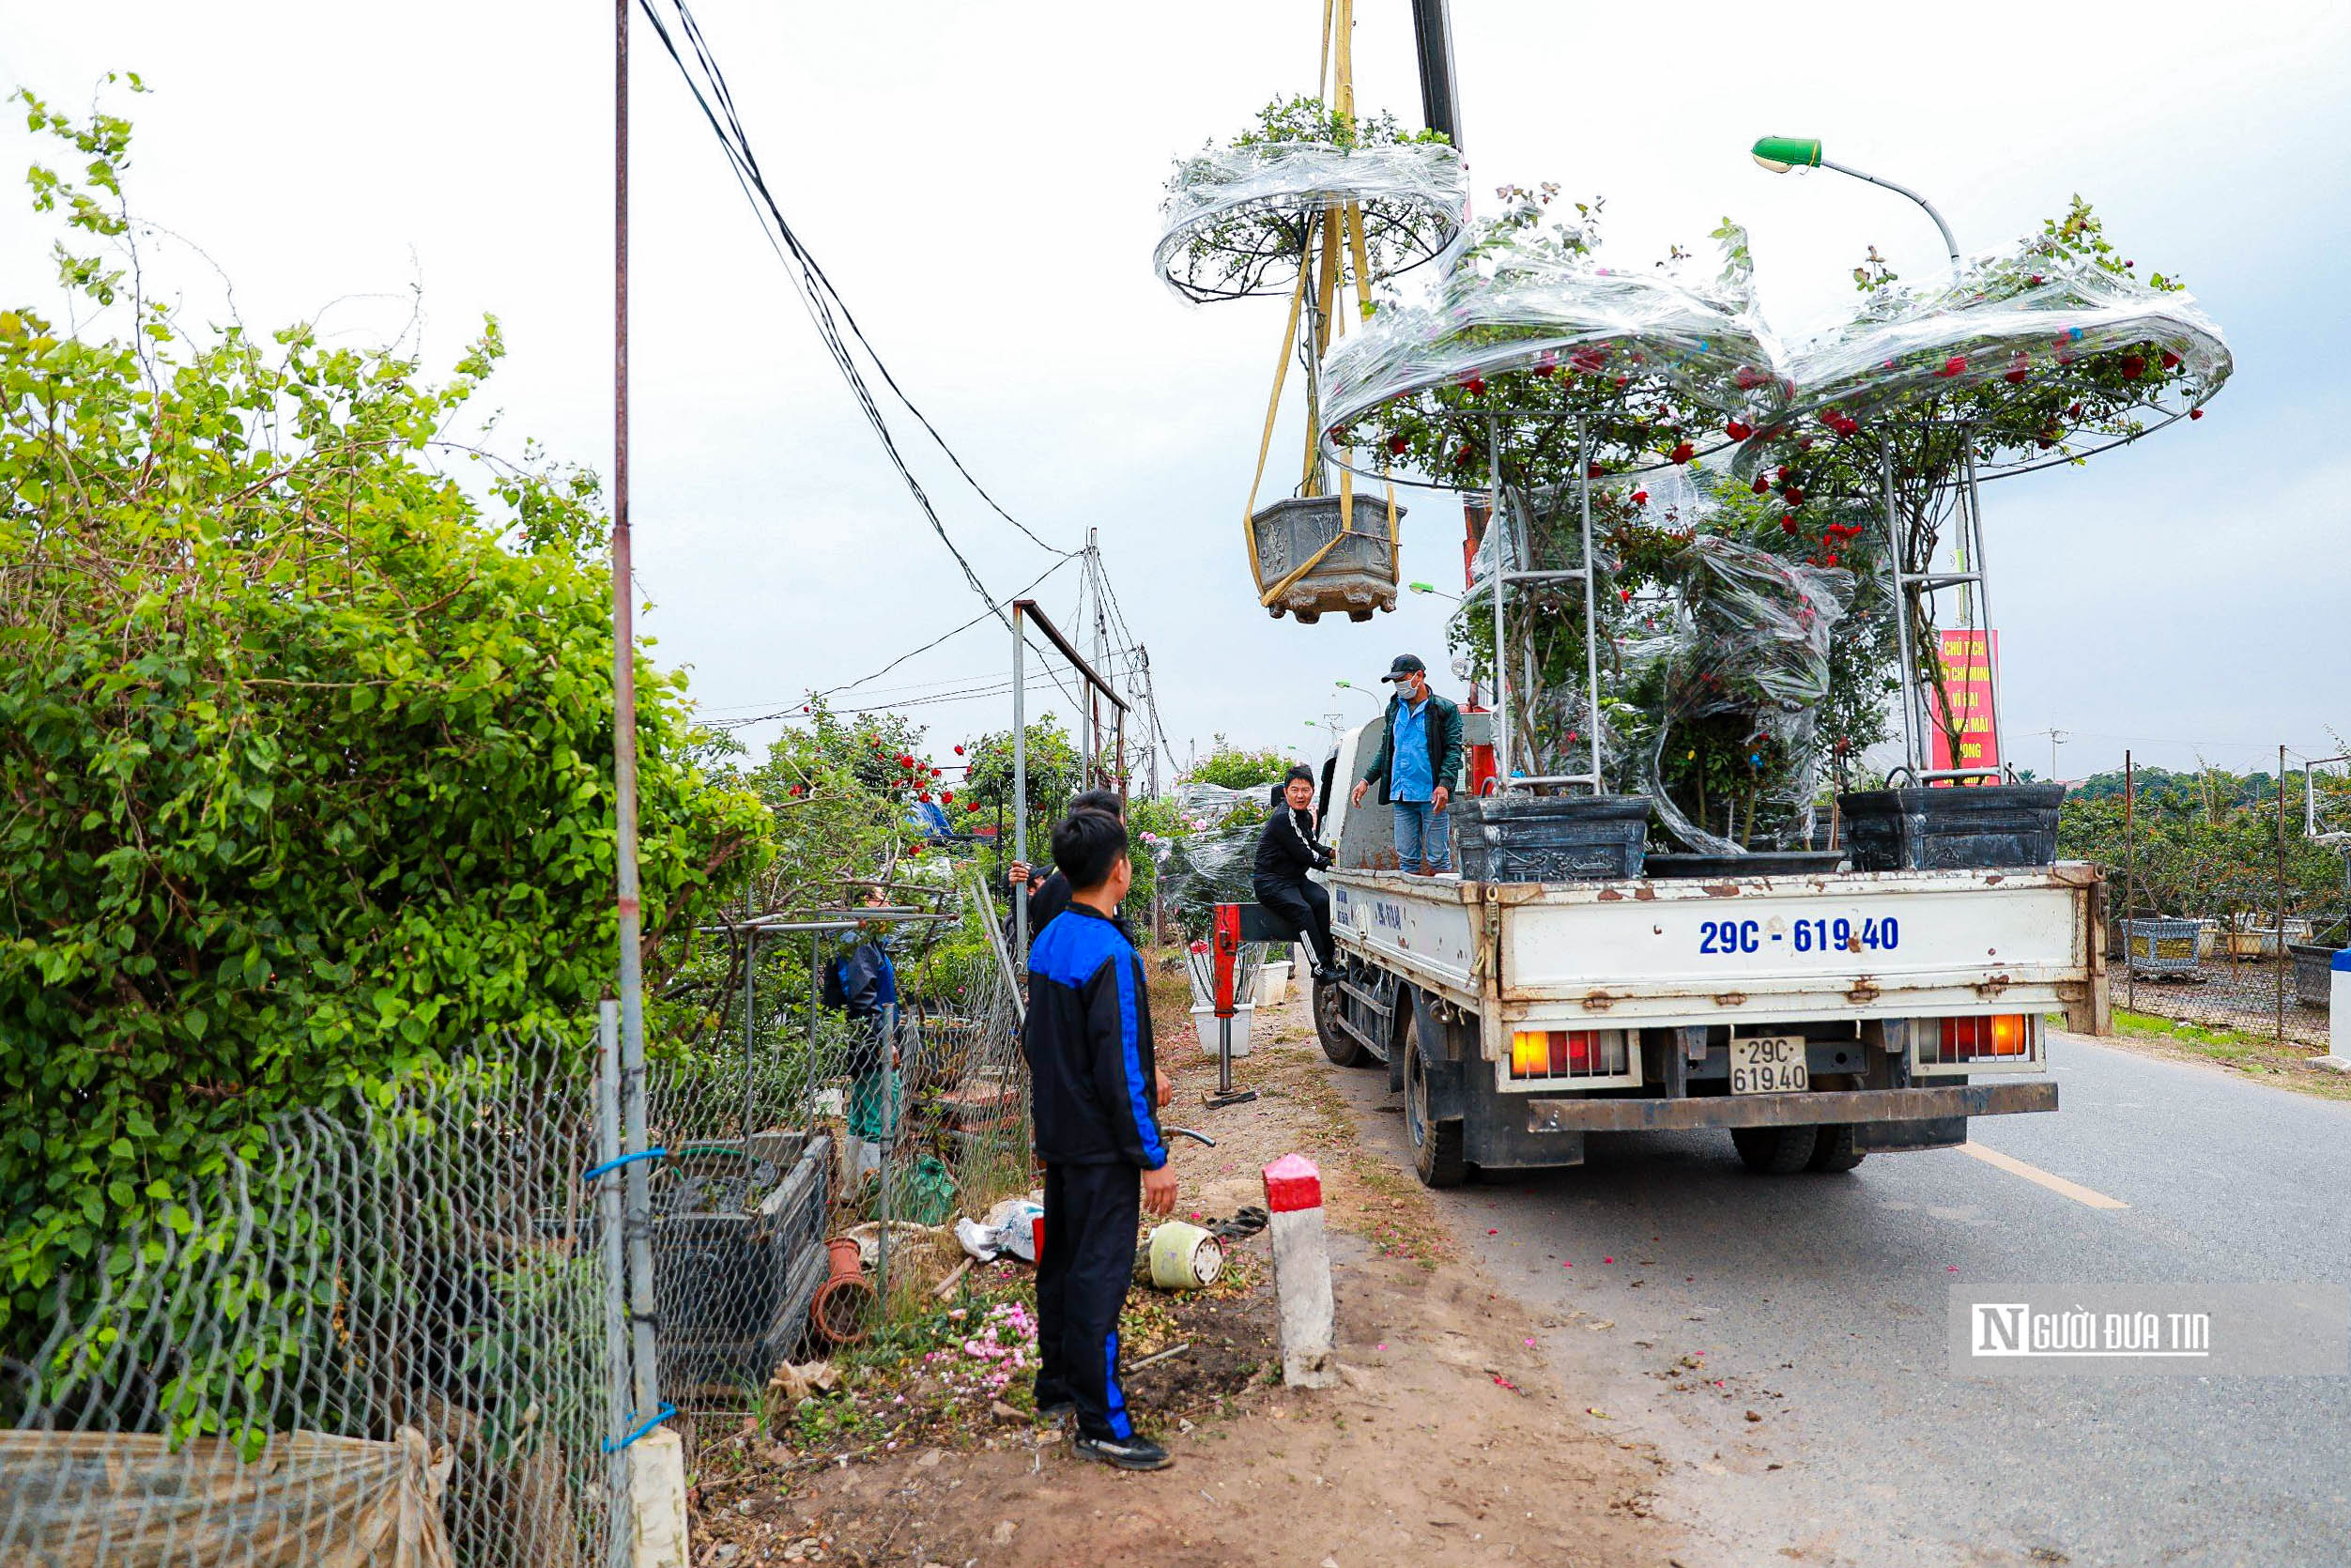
1449,1441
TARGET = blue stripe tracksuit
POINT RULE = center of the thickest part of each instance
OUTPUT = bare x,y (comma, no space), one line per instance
1091,1081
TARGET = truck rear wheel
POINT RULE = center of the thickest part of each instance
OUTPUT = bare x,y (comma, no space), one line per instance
1775,1150
1834,1151
1436,1146
1343,1048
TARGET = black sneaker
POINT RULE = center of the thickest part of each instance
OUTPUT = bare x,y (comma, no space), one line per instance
1128,1453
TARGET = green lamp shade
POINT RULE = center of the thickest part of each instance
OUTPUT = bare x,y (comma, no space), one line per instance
1780,154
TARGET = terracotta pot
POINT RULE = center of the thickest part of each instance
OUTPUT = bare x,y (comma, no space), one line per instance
844,1305
846,1258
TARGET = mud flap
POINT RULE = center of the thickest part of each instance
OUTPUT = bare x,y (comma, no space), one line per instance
1935,1132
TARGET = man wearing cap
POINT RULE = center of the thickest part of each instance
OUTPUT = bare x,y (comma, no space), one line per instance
1419,757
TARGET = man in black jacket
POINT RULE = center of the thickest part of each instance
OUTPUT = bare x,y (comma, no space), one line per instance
1093,1083
1050,895
1419,757
1287,850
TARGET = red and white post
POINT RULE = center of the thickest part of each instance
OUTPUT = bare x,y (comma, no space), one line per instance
1301,1272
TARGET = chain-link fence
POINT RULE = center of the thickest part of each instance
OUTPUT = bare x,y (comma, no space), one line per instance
2229,894
803,1121
395,1335
380,1334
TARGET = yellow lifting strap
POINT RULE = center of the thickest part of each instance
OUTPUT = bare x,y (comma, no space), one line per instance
1341,229
1265,442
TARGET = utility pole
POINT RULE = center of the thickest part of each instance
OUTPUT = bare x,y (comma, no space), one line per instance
1151,706
1101,652
2055,735
635,1183
623,627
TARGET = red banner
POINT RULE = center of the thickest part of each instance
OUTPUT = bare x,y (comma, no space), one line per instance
1968,658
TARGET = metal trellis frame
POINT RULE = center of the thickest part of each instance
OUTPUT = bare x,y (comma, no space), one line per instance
1024,611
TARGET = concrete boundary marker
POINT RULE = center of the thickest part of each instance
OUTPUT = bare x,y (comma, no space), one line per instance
1301,1272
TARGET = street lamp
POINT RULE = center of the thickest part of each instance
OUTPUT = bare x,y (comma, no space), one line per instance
1432,588
1349,685
1780,154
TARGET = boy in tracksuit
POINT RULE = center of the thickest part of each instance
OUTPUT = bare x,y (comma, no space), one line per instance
1093,1084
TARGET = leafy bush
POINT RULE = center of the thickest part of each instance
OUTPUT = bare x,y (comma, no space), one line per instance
1232,767
305,750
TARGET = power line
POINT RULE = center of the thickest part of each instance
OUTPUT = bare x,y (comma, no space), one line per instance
959,631
816,291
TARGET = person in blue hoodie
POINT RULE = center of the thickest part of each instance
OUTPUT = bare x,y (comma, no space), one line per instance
860,983
1094,1087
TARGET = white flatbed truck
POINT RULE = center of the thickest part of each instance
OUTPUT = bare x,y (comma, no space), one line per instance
1819,1018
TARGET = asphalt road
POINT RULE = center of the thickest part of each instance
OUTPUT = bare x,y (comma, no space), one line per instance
1819,1302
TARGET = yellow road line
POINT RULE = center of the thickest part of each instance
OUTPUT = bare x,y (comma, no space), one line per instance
2040,1178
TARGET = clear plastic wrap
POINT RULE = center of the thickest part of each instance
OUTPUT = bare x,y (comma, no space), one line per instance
1527,328
1237,218
1207,806
1750,644
1205,869
2043,352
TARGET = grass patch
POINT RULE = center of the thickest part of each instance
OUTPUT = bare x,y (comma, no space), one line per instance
2287,1064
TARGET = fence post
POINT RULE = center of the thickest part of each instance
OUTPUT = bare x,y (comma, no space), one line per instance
657,1503
2285,960
889,1141
2131,970
621,1524
750,1007
816,1006
636,1227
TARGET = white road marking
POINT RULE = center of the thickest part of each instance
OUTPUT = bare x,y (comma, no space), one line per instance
2040,1178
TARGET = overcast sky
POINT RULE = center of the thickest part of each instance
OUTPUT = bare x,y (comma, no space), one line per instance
981,181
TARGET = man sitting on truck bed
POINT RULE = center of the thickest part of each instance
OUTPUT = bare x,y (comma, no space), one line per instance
1418,758
1287,850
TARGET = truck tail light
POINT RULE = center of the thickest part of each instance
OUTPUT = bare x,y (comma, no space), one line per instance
1566,1052
2000,1036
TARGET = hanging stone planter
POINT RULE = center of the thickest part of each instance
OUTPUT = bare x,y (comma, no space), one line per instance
1353,570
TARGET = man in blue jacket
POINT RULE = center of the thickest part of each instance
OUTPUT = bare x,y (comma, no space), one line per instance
1418,758
1094,1083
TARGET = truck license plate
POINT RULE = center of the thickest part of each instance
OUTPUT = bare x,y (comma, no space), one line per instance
1767,1064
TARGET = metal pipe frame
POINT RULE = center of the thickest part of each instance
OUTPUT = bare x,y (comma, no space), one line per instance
1021,609
1503,576
1024,611
1918,717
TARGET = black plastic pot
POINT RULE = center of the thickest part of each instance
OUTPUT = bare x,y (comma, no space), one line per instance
1549,837
2313,974
1761,863
1949,829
